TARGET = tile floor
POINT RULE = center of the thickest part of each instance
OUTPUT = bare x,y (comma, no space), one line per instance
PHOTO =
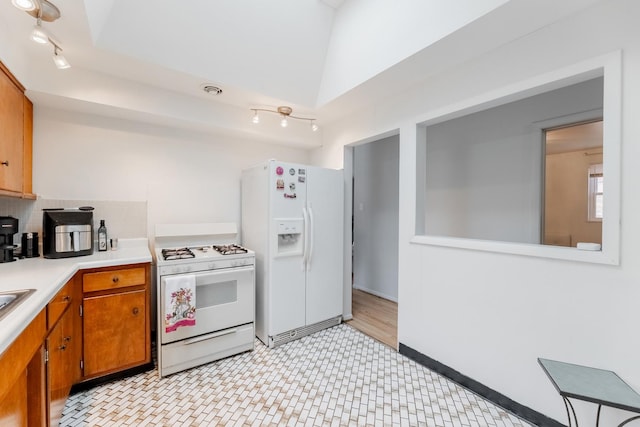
338,376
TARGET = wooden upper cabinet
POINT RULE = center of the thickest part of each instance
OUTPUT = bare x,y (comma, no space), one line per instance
27,150
11,135
16,138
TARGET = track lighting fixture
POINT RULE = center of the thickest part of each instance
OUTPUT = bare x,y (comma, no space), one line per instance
43,10
285,113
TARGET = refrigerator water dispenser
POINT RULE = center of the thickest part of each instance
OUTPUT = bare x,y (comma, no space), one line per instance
290,237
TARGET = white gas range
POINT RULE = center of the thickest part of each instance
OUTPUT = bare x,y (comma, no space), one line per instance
205,295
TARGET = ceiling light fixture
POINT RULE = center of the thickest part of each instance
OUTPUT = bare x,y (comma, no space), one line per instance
285,113
26,5
39,35
58,59
43,9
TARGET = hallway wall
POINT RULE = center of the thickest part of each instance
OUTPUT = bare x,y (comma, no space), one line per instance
375,260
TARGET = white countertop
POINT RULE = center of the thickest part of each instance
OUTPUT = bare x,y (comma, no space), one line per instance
48,276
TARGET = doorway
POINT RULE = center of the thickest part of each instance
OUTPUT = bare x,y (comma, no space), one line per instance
573,184
375,167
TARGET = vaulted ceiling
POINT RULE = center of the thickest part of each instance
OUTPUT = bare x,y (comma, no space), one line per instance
147,61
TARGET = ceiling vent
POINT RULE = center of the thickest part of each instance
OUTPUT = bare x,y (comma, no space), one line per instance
212,90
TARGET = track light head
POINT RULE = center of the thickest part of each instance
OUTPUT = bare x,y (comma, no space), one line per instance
38,34
60,61
26,5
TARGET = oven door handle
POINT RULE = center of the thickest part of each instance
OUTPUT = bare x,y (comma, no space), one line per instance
209,336
222,272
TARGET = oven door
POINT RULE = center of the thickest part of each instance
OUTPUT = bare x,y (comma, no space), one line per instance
224,299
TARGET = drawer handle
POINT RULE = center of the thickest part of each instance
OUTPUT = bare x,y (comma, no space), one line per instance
135,311
63,347
67,338
209,336
6,163
66,298
115,279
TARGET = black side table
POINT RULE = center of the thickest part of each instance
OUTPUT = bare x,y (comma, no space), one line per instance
591,385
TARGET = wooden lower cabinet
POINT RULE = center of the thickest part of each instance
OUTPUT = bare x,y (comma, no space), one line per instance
13,408
117,328
17,376
61,343
113,334
116,332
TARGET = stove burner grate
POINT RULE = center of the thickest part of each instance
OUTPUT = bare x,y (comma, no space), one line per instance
230,249
181,253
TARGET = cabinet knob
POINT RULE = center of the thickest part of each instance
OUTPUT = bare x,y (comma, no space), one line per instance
115,279
63,347
66,298
67,338
135,311
6,163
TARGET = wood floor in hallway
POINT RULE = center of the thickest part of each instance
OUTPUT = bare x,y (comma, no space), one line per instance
376,317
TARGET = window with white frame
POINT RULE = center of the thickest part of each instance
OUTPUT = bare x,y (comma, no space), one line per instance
595,196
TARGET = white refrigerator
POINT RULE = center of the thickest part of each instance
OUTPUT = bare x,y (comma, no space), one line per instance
292,217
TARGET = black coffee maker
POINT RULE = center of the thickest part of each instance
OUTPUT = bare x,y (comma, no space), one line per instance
8,227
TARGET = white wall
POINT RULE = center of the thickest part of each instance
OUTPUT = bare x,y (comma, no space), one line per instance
375,259
491,315
184,177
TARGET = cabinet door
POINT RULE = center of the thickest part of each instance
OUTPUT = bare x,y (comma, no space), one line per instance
115,332
13,408
61,365
11,134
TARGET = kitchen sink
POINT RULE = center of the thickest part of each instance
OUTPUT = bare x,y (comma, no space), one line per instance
10,299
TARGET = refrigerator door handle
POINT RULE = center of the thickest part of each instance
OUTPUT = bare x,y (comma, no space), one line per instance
305,217
311,237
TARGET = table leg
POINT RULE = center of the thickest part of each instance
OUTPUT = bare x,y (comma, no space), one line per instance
629,420
567,405
598,416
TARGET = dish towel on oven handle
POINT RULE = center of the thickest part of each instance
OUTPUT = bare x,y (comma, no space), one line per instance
179,302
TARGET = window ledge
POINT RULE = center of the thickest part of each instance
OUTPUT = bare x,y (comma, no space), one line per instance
526,249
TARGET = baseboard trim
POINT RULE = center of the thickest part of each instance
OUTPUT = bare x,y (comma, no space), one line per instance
480,389
375,293
94,382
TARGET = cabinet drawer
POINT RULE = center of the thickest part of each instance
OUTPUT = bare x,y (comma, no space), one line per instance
114,279
59,304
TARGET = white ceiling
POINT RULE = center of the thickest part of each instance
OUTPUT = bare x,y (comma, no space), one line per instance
147,61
